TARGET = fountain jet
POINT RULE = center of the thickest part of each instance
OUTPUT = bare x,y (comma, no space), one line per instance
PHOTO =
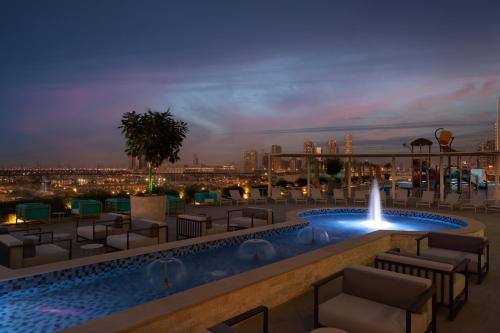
375,220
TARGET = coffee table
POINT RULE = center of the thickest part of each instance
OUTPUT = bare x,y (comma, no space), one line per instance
92,249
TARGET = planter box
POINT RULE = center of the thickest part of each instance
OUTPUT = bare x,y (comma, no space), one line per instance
148,207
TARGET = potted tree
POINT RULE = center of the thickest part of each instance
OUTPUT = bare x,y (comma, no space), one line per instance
333,167
156,137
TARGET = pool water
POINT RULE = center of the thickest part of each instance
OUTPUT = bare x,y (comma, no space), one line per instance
53,307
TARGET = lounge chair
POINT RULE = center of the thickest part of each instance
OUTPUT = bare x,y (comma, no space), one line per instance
192,226
276,196
401,198
86,208
141,233
339,196
442,246
225,327
474,203
223,201
205,198
492,206
427,199
174,205
256,197
360,197
249,217
32,249
297,197
383,197
452,200
317,197
451,279
374,300
236,197
33,211
98,230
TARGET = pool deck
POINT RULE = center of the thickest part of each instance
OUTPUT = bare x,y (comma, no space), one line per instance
480,314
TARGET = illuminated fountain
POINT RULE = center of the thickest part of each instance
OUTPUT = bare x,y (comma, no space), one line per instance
313,235
166,273
256,250
375,220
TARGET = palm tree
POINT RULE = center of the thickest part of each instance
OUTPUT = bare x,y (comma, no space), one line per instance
155,136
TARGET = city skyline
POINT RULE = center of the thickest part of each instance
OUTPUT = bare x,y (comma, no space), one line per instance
317,72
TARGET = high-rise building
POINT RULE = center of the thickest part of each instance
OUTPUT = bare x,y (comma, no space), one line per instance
332,147
276,161
250,161
485,161
318,150
136,163
347,144
308,147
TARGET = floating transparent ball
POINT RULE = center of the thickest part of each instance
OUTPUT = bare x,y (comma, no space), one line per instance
256,250
313,235
166,273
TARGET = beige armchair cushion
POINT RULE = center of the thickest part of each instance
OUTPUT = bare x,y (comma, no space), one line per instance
45,254
356,314
135,240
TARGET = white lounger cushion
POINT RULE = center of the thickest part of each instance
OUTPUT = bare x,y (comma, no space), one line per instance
246,222
454,255
135,240
88,232
75,211
357,315
46,254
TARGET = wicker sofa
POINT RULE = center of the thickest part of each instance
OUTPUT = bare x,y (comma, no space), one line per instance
192,226
33,211
86,208
370,296
98,230
442,246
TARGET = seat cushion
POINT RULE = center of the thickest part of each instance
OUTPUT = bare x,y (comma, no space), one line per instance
45,254
359,315
246,222
135,240
88,232
438,253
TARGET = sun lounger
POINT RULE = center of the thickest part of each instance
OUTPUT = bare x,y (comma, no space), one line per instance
371,296
360,197
451,201
223,201
276,196
427,199
401,198
236,197
256,197
297,197
317,197
492,206
339,196
474,203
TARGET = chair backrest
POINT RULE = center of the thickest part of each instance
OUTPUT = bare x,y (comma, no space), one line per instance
391,288
235,194
338,193
452,198
455,242
255,193
316,193
428,196
296,194
401,194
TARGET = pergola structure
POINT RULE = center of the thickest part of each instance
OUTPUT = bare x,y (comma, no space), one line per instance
393,157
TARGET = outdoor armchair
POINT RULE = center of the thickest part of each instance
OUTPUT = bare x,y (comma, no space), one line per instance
249,217
401,198
317,197
457,247
369,296
339,196
256,197
450,279
427,199
452,200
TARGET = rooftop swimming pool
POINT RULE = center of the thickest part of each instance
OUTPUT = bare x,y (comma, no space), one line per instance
62,299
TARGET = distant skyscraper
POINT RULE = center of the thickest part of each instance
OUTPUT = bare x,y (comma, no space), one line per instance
347,144
136,163
485,146
276,161
318,150
250,161
196,162
332,147
308,147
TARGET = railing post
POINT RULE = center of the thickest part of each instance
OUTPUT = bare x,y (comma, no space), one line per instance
348,174
269,185
393,176
308,176
441,179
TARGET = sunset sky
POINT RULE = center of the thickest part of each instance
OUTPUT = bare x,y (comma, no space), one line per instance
243,74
